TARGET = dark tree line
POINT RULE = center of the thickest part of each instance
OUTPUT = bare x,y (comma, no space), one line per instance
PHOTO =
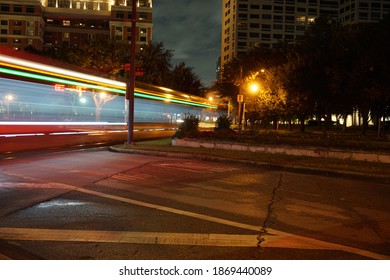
332,70
109,57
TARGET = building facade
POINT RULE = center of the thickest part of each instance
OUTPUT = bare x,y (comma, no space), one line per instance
250,23
22,23
45,23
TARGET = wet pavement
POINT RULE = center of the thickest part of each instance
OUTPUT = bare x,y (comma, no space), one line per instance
96,204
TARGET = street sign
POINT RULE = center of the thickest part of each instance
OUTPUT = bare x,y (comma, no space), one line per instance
139,71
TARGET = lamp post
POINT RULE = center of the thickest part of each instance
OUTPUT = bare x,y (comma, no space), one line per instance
130,85
240,100
252,88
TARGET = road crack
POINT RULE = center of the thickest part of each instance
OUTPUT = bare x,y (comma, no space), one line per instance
271,216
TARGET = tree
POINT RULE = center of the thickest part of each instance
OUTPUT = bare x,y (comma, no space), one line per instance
102,55
109,57
294,78
156,62
183,78
258,66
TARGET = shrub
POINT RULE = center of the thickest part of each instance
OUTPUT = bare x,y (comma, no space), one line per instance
223,123
188,128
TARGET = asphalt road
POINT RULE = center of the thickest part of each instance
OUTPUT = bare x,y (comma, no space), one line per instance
96,204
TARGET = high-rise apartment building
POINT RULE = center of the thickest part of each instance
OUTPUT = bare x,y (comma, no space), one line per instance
250,23
45,23
363,11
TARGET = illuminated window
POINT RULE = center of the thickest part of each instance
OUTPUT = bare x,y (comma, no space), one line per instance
66,23
143,16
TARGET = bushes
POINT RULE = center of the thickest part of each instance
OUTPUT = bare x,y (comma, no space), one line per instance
188,128
223,123
223,129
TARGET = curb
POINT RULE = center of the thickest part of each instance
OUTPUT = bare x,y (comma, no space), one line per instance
272,166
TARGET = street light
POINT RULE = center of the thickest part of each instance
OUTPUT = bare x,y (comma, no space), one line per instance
252,88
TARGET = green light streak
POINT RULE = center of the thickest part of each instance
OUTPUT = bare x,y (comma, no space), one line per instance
92,86
173,100
57,80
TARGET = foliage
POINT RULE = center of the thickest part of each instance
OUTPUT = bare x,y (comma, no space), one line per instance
188,128
109,57
102,55
223,123
333,70
184,79
156,62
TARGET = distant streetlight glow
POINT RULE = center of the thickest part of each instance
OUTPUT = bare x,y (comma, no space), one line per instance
9,97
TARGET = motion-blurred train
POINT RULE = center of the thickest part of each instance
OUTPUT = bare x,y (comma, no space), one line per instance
47,104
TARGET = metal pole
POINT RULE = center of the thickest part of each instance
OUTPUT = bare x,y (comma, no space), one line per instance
131,84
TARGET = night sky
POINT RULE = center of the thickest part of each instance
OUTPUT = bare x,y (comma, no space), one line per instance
192,29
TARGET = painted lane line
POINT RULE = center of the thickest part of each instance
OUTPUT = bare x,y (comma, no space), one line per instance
273,238
50,185
171,210
161,238
279,239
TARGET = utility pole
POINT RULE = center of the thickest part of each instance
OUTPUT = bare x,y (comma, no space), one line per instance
131,83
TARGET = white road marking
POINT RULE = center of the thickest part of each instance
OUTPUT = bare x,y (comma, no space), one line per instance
50,185
162,238
126,177
279,239
171,210
273,238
